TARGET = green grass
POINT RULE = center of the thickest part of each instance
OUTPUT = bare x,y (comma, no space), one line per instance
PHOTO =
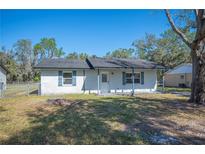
174,89
100,120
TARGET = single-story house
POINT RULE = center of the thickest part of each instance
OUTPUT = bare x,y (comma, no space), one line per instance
180,76
3,72
97,75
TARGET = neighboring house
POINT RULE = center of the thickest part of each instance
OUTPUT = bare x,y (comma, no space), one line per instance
97,75
3,72
180,76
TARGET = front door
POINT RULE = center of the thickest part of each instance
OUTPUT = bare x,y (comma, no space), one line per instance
104,82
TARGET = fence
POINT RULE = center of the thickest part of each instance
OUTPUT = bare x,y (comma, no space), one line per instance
20,89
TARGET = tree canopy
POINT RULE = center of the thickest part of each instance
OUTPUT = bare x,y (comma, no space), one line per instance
49,49
75,55
120,53
23,52
167,49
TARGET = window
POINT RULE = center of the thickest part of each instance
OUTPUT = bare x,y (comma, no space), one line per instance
129,77
67,78
137,77
182,76
104,77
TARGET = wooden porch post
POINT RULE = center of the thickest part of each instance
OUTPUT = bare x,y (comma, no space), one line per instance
98,82
133,82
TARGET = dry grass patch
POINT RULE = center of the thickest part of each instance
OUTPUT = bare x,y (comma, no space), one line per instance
101,120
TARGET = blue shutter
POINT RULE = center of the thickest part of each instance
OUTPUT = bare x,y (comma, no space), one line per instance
74,78
60,78
142,77
123,78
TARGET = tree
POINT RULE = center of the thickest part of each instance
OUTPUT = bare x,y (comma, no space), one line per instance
59,52
193,20
37,50
7,59
167,50
146,48
23,52
73,55
49,45
21,59
174,51
83,56
120,53
50,49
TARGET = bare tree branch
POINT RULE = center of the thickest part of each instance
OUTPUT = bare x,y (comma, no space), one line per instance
184,38
200,33
198,23
200,13
197,18
196,11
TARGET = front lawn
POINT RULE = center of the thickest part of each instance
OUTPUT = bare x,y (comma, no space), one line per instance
143,119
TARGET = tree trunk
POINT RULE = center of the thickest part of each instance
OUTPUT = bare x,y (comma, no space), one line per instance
198,74
198,55
35,60
194,64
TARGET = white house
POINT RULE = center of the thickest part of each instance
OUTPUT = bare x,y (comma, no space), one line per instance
97,75
180,76
3,72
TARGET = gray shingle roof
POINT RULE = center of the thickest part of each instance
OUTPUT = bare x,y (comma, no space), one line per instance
93,63
181,69
141,64
123,63
103,63
62,63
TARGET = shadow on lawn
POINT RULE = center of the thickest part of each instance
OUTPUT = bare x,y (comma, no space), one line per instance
110,120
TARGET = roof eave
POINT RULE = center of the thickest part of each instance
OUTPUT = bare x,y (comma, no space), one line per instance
39,68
